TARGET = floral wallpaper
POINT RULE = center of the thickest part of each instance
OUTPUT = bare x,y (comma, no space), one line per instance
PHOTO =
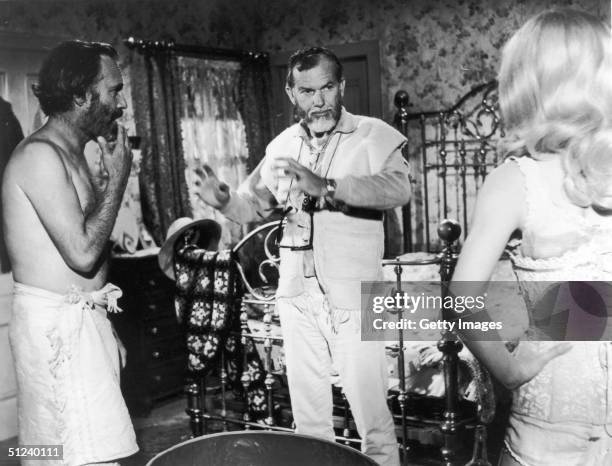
436,50
210,22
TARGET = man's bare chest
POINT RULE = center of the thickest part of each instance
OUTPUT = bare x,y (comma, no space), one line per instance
84,188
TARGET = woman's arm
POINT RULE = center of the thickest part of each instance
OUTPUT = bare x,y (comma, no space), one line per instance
500,209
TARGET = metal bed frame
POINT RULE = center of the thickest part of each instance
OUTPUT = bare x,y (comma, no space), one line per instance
450,152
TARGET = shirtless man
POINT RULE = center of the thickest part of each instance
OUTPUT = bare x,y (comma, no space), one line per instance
58,216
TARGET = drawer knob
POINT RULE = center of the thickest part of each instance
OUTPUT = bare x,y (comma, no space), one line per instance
154,330
157,378
155,354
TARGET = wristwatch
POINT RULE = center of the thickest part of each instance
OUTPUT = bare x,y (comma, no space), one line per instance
330,188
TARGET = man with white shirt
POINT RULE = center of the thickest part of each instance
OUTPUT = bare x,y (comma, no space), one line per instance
333,174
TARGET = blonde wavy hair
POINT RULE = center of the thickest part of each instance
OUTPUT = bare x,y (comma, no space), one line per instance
555,93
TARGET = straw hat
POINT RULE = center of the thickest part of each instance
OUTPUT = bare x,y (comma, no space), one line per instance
209,230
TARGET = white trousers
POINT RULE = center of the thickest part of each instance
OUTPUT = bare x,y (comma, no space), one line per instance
315,337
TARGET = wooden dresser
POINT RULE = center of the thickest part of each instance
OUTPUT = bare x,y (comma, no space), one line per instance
155,343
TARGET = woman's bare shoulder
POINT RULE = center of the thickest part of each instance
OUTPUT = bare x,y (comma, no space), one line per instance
505,183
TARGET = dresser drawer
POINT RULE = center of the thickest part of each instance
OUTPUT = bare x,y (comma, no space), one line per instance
156,307
167,349
148,327
157,355
140,274
168,378
161,328
154,279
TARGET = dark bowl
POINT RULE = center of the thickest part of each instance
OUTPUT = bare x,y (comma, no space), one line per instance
259,449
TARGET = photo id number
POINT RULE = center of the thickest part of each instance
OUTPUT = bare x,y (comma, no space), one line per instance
34,452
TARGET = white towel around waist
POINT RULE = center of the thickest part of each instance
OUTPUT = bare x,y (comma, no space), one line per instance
67,364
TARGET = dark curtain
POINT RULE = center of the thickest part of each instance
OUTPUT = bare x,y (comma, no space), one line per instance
254,103
163,188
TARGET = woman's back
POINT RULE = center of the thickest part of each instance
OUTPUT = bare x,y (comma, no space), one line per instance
555,97
562,243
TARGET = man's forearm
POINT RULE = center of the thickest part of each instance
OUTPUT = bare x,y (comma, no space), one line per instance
243,208
388,188
99,223
254,200
385,190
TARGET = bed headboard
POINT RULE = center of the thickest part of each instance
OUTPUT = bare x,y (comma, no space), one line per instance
450,152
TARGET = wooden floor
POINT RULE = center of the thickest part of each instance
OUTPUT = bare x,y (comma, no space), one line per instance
168,425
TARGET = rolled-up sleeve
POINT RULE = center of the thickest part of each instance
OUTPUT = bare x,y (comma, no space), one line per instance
253,200
387,189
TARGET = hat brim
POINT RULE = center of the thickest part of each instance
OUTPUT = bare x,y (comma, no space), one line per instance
208,228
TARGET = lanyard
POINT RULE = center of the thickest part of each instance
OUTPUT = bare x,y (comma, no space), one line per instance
288,208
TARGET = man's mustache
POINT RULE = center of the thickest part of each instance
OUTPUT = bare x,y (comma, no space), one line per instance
321,111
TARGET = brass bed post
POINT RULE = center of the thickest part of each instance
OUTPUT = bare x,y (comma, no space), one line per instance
402,397
269,380
245,379
463,173
422,123
223,392
346,431
442,166
194,409
402,102
449,231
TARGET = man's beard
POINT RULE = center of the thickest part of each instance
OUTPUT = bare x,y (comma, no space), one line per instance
320,122
100,120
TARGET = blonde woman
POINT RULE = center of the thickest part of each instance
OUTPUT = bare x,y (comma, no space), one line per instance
555,90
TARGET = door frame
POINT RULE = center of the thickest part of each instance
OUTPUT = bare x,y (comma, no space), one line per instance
17,42
13,41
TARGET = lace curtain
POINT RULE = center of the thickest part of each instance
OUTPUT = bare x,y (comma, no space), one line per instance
213,131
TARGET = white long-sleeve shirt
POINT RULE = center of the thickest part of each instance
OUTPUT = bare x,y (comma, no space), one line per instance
386,188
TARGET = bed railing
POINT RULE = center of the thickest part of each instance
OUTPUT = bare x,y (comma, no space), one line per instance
260,293
450,152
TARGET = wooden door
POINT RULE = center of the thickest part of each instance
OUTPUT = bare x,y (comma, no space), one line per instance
357,88
18,71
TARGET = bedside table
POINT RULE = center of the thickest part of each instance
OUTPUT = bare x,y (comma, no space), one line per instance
155,342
